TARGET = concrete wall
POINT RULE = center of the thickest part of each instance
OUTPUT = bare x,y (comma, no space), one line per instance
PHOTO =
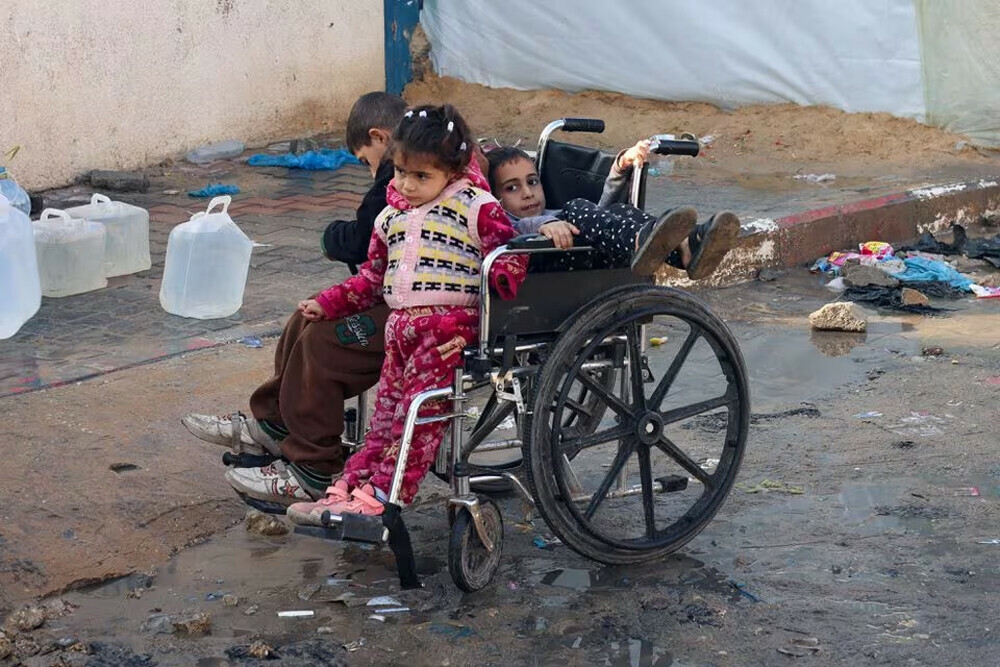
119,84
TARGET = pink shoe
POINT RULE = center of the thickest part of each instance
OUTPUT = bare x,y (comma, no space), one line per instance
310,513
362,501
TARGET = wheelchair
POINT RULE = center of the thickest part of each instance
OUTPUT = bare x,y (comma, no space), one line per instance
630,402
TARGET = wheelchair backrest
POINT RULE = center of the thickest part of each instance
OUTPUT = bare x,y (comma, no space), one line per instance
570,171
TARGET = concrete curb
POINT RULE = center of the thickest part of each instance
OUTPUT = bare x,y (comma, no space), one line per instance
801,238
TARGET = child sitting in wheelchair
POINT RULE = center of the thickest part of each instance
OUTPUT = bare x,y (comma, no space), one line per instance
424,261
621,234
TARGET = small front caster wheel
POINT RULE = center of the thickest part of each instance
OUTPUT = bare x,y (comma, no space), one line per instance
471,564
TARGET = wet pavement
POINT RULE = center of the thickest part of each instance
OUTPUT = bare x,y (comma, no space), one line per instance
862,529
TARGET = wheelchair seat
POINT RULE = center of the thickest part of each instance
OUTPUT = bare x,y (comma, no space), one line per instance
572,172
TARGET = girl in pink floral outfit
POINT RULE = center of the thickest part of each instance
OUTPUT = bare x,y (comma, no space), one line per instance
424,261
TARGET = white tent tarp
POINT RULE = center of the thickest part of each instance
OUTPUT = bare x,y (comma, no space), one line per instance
856,55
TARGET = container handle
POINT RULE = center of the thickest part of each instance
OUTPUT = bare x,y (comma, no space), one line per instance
100,199
56,213
225,200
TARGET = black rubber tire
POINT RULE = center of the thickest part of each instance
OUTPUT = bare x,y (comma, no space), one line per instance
471,566
612,308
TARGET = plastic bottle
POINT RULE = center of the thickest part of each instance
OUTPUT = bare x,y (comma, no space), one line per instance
208,259
14,193
20,290
222,150
127,248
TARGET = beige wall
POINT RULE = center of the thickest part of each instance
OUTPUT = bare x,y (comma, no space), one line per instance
120,84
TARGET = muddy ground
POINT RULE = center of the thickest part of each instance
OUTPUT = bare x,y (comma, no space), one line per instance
871,547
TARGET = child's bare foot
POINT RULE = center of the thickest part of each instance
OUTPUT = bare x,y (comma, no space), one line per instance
709,243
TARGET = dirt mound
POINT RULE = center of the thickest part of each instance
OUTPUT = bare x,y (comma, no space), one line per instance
784,138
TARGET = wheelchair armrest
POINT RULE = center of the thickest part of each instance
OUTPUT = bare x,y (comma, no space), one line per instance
582,125
530,242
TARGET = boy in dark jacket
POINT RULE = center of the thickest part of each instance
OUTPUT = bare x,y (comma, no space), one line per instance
298,414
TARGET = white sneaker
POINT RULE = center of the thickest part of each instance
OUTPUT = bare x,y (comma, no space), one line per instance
235,431
273,483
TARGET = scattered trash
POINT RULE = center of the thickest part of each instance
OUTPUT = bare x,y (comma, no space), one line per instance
325,630
123,467
353,646
231,600
801,647
507,424
171,192
212,597
932,351
919,424
194,625
928,270
892,298
260,650
349,599
394,610
705,141
815,178
867,415
577,643
251,341
904,444
306,592
836,285
377,617
993,541
657,341
741,589
452,631
214,190
297,613
839,316
384,601
326,158
251,610
767,486
221,150
985,292
545,542
972,491
264,524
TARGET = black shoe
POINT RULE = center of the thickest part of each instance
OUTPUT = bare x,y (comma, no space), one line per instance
709,243
658,238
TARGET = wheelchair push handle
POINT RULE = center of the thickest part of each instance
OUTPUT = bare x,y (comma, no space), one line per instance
667,144
582,125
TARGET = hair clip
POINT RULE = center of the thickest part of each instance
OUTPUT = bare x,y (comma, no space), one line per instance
423,114
462,147
408,114
451,125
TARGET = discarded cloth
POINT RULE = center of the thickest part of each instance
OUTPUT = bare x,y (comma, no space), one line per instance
889,298
973,248
214,190
923,269
327,158
985,292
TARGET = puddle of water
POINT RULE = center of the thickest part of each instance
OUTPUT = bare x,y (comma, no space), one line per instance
877,508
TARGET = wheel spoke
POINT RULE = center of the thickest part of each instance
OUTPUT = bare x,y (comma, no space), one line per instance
610,399
667,446
679,414
621,458
646,478
635,367
675,367
573,446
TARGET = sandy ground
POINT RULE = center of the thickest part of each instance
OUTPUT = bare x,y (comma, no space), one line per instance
760,139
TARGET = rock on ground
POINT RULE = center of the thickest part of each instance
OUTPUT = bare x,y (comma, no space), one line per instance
912,297
264,524
859,275
839,316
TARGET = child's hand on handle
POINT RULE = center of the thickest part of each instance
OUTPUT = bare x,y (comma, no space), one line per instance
311,310
636,155
561,233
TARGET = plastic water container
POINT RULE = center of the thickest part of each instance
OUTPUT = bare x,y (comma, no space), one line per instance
70,254
20,290
14,193
127,246
208,259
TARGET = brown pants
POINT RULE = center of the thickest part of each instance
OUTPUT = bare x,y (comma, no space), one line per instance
316,367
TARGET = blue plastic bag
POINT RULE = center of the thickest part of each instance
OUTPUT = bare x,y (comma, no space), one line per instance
214,190
326,158
921,269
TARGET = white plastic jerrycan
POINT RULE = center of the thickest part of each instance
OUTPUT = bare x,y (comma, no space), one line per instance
208,259
20,290
127,226
70,254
